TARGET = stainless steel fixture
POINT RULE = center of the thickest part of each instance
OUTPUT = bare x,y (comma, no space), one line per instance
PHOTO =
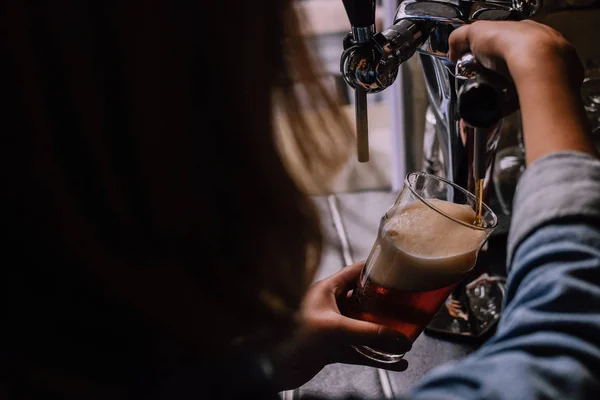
371,60
467,101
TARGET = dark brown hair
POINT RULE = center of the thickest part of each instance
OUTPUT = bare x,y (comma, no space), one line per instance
145,172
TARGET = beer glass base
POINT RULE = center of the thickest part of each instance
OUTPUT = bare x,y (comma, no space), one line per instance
376,355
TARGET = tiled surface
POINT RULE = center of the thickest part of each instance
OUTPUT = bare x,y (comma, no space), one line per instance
427,353
360,213
338,381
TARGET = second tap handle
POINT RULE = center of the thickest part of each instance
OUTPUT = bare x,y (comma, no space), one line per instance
361,13
362,124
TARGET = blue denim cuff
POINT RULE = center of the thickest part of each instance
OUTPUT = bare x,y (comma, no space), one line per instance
560,186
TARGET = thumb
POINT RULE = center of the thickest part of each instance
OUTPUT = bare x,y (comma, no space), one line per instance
354,332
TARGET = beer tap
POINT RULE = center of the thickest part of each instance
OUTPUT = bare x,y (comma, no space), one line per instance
370,61
484,98
361,14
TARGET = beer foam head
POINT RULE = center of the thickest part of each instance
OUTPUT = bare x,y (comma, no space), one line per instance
422,232
421,249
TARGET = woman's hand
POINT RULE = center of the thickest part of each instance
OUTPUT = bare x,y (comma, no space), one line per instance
547,74
326,336
525,50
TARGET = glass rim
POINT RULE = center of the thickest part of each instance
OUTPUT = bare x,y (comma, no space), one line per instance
455,186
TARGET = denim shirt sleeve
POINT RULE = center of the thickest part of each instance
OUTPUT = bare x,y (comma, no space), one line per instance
548,341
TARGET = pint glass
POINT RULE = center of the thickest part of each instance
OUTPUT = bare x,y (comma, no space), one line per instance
427,242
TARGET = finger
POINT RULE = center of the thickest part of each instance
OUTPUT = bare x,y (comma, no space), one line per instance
344,280
351,356
459,43
355,332
345,303
482,38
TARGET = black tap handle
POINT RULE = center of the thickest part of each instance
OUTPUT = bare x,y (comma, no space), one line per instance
361,13
480,103
484,97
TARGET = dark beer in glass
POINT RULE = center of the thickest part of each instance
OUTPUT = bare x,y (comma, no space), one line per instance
427,242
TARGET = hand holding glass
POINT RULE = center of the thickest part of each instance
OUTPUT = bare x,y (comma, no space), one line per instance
426,244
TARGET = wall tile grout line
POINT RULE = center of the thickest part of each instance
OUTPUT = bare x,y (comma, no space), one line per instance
340,229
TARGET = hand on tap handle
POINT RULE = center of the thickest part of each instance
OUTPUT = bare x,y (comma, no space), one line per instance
519,50
547,74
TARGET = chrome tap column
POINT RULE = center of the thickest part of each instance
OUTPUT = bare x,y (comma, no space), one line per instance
466,100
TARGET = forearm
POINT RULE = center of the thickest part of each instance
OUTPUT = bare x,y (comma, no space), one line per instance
553,116
547,344
548,341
